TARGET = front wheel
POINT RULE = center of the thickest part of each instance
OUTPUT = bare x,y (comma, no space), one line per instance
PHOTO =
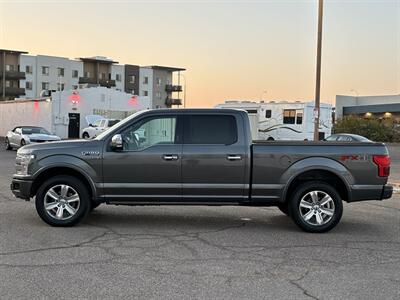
85,135
62,201
316,207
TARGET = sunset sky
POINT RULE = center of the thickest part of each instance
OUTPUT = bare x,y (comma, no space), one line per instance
231,49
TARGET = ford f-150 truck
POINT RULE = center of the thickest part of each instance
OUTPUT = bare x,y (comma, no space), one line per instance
200,157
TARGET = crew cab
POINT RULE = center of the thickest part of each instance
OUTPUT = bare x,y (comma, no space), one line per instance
199,157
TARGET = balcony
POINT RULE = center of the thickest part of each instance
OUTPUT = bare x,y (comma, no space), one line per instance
13,75
93,81
169,102
169,88
14,91
107,82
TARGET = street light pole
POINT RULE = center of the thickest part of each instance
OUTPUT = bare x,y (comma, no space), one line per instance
318,72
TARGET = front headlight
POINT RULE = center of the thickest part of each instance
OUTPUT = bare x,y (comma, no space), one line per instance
22,162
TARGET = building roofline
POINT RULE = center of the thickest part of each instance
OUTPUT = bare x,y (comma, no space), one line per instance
98,59
13,51
165,68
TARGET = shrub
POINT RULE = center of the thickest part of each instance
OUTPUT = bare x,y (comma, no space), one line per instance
379,130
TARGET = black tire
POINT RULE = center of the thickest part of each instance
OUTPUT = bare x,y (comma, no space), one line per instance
23,143
82,191
85,135
283,207
303,191
8,146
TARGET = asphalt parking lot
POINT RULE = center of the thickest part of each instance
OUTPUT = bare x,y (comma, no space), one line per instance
197,252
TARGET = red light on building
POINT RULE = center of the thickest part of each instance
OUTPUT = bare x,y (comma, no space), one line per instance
133,100
75,97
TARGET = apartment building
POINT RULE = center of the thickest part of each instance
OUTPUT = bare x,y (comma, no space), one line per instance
11,74
33,76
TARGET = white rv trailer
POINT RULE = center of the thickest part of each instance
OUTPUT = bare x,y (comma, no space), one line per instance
284,120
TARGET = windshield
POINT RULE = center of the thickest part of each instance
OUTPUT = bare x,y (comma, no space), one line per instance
34,130
118,124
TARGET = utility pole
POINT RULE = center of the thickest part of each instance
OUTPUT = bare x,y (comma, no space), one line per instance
318,73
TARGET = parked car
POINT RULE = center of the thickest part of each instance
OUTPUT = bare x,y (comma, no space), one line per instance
347,137
23,135
199,156
98,127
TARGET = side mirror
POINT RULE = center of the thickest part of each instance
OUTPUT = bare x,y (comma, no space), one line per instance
116,142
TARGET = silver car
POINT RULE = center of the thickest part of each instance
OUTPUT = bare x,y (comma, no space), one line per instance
23,135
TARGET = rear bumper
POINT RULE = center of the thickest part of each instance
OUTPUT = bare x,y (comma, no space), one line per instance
387,192
370,192
21,188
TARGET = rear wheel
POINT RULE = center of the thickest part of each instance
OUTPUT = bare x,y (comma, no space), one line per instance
62,201
23,143
8,146
316,207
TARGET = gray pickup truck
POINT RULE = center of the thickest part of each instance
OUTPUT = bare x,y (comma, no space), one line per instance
199,157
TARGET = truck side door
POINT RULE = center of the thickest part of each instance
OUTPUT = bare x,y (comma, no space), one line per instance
148,168
214,158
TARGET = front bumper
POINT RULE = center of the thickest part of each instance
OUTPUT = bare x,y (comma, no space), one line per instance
21,188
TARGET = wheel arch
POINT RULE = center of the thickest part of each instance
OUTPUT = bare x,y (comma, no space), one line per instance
55,170
318,169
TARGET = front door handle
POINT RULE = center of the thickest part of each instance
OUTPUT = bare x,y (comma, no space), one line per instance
234,157
170,157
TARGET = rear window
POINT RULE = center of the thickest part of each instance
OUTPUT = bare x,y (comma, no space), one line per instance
210,129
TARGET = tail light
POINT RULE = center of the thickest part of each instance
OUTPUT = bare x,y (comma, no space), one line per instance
383,163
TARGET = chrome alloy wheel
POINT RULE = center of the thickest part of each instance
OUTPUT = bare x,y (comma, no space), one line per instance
316,208
61,202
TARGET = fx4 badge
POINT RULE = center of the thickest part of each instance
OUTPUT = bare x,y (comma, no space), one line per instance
90,153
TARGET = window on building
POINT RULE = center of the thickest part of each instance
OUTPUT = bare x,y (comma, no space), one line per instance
86,74
11,68
289,116
103,76
60,86
268,113
75,73
131,78
8,83
158,95
118,77
28,69
158,81
299,117
28,85
45,86
145,80
60,72
223,130
45,70
145,93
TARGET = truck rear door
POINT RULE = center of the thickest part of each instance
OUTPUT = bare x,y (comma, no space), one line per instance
214,158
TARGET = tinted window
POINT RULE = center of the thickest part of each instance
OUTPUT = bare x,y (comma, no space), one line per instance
289,116
331,138
299,118
112,122
210,129
268,113
33,130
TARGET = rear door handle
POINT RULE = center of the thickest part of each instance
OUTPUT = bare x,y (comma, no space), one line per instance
170,157
234,157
